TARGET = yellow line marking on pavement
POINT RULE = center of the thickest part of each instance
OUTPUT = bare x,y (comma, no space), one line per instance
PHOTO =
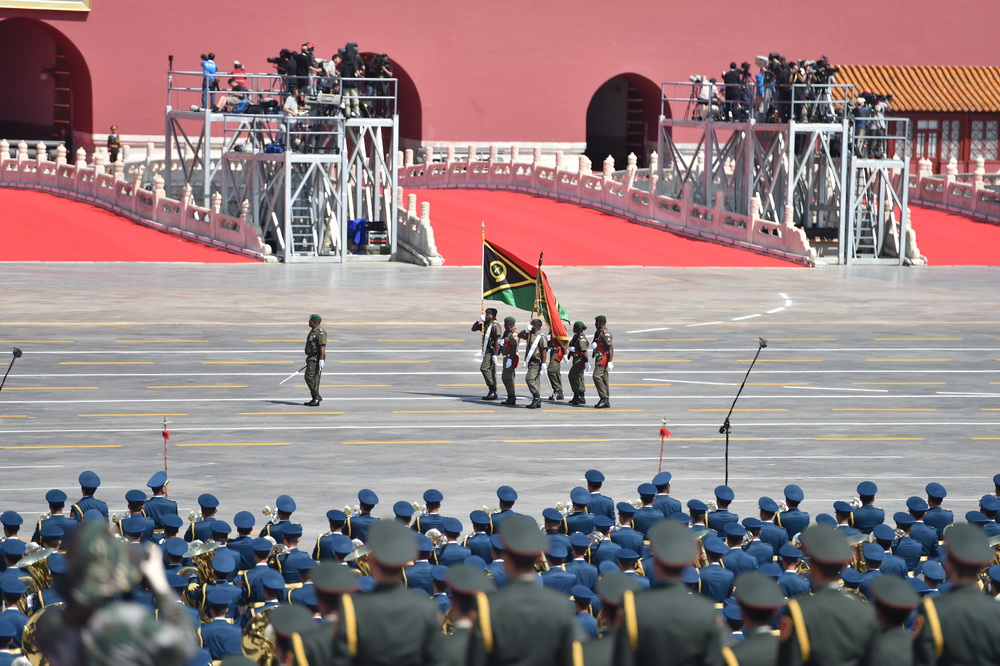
105,363
156,414
285,340
802,339
141,341
272,413
655,360
398,441
13,416
673,339
235,444
201,386
68,446
421,340
898,383
443,411
906,360
781,360
884,409
717,439
918,339
384,361
48,388
546,441
583,411
776,409
984,438
36,342
246,362
868,439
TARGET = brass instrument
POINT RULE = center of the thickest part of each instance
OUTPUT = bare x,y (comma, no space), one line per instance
448,624
596,537
436,536
352,512
564,508
39,577
858,559
201,554
712,506
195,516
542,564
29,644
782,506
258,639
361,555
636,504
699,543
419,509
899,533
855,503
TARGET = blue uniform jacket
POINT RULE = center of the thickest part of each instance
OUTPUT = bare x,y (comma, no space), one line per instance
645,518
221,638
418,577
601,505
579,522
667,505
910,550
452,553
157,507
628,537
716,582
605,551
794,521
760,551
737,561
479,544
939,518
793,585
559,579
773,536
357,526
85,504
586,574
867,517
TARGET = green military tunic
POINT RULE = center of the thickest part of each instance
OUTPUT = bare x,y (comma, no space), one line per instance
827,628
534,354
508,349
554,373
314,647
493,332
455,646
959,627
598,651
389,626
578,363
759,648
667,625
893,648
602,356
314,342
526,624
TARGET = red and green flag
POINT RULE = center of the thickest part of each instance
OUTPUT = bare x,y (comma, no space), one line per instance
517,283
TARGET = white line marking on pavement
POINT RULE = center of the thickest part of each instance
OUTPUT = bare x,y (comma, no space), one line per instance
986,395
682,381
649,330
707,323
820,388
750,316
775,310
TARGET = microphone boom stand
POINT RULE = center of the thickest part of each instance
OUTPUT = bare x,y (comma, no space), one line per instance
17,355
726,427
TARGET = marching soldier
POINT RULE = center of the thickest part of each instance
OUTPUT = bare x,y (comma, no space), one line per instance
89,483
158,505
57,502
534,357
508,349
202,529
665,619
556,353
894,601
604,355
578,363
959,627
315,358
806,628
492,331
357,526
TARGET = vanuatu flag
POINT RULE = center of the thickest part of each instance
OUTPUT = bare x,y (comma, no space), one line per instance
519,284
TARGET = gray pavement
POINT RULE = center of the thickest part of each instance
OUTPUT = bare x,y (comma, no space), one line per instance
872,373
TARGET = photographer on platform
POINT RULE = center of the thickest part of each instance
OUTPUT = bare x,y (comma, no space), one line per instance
379,67
351,67
732,78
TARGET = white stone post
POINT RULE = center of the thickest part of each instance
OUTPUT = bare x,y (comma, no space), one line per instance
60,154
979,173
609,167
41,153
81,158
515,152
22,151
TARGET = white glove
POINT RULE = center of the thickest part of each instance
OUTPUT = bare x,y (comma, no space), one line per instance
321,364
495,359
586,367
544,366
482,318
508,363
572,350
527,329
611,366
593,346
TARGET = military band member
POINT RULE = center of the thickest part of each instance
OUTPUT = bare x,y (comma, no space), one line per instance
158,505
535,353
556,353
315,358
56,500
492,332
604,356
508,350
89,483
759,599
577,350
202,529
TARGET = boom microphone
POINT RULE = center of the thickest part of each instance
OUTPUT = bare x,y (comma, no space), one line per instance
762,342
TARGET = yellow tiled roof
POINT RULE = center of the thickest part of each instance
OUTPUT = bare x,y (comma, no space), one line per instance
929,89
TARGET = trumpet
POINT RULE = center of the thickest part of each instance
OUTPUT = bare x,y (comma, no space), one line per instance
270,514
419,509
195,516
712,506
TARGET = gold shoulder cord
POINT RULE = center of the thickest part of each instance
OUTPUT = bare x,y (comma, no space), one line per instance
485,623
350,625
631,621
935,623
799,625
729,657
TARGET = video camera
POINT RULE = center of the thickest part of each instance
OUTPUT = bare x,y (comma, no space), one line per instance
283,57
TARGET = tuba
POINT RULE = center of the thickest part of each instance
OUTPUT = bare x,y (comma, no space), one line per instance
29,643
858,559
699,543
258,639
39,577
201,554
360,556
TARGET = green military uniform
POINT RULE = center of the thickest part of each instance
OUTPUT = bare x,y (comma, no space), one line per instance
534,357
598,651
556,353
455,646
964,630
893,647
603,354
759,648
492,332
315,351
578,363
827,628
508,349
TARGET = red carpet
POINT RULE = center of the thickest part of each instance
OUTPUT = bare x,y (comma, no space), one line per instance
952,240
570,235
35,226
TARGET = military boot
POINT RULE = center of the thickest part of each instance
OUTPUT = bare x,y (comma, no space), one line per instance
491,395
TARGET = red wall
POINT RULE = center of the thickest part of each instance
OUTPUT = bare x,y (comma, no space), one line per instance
512,71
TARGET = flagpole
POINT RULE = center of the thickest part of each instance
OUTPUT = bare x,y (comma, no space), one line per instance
482,247
538,286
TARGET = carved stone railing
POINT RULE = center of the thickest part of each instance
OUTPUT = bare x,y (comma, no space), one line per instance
626,194
107,187
414,235
974,195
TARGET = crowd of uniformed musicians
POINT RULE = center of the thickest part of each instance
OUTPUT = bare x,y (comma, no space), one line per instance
595,582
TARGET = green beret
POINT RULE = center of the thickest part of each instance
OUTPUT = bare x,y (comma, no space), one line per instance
315,317
537,322
601,319
492,311
580,325
510,321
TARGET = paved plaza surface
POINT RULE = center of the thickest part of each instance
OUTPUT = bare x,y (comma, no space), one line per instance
873,373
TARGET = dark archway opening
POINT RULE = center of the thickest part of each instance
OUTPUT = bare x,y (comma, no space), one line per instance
408,105
622,118
47,88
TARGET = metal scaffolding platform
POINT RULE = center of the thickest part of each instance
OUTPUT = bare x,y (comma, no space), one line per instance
321,186
808,166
